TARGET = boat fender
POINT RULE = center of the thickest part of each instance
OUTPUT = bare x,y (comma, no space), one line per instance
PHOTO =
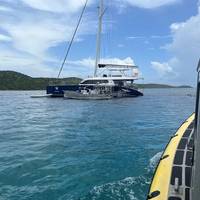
164,157
153,194
173,136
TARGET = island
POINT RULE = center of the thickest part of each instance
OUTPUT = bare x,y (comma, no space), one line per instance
11,80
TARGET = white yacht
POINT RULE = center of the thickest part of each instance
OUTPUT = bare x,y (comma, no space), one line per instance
109,79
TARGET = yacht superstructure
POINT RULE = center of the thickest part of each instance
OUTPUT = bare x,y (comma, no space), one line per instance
116,78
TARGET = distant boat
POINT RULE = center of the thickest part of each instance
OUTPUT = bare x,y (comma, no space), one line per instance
118,78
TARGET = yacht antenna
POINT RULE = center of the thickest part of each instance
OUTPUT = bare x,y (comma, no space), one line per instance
98,45
72,40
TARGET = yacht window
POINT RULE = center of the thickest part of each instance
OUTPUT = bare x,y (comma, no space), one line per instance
91,82
119,83
86,82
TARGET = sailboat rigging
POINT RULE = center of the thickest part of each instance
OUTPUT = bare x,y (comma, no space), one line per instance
109,80
73,37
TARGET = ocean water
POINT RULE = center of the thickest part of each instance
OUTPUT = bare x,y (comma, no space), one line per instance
55,149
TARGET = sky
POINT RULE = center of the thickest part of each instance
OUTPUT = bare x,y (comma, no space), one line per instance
162,37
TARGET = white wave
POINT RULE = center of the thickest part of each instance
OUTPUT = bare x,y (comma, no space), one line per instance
154,161
129,188
116,189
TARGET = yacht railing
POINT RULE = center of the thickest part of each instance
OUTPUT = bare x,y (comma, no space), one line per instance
195,190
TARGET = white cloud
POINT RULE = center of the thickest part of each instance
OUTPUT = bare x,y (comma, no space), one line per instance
38,25
90,62
5,38
160,36
150,4
149,37
36,37
5,9
175,26
60,6
185,47
86,66
125,61
162,68
135,37
36,31
121,5
48,67
33,27
21,62
85,62
32,32
120,45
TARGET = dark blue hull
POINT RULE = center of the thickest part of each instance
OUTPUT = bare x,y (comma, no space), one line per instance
58,90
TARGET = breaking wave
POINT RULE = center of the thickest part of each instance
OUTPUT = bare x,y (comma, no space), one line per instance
130,188
153,162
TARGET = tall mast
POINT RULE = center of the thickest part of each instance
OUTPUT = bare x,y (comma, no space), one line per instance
73,37
98,45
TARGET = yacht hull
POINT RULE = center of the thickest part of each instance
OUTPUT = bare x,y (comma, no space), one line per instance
79,96
117,91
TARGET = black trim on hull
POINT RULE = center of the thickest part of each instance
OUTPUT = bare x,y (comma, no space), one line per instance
58,90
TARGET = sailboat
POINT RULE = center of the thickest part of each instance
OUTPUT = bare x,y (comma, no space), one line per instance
109,80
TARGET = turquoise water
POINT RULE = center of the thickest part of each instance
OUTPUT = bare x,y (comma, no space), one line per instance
85,150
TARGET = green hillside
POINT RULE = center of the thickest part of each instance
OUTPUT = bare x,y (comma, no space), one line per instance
10,80
153,85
